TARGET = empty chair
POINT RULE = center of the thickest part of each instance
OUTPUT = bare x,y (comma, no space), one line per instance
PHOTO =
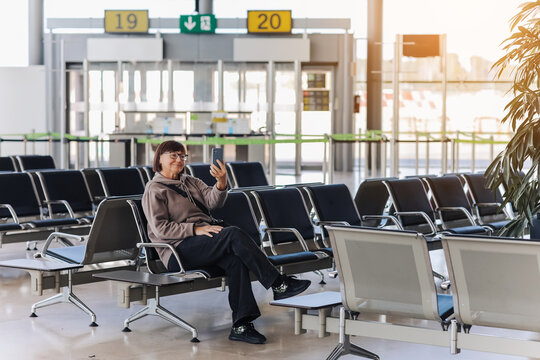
287,220
452,206
113,237
18,198
333,204
371,200
238,211
35,162
485,202
121,181
7,164
384,272
495,281
68,190
202,171
142,173
247,174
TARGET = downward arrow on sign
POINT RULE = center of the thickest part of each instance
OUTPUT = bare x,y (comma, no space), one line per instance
190,24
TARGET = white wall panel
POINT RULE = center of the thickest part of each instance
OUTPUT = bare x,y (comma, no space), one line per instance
22,105
124,49
275,49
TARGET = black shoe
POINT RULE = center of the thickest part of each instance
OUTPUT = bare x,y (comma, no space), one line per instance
247,333
290,287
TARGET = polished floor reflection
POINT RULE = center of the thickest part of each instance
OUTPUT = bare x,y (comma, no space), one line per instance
62,331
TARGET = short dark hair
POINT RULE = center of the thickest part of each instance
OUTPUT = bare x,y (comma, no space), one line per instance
166,146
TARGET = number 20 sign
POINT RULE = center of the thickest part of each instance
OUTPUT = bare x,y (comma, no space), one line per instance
126,21
269,21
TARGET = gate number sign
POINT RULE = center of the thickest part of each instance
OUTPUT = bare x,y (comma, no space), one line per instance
269,21
126,21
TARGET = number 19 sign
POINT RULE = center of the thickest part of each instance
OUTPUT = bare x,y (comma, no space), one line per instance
269,21
126,21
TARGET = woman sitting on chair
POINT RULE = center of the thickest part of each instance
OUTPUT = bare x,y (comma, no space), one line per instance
176,206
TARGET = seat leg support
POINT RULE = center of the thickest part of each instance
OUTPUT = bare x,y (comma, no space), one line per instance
66,296
345,347
154,308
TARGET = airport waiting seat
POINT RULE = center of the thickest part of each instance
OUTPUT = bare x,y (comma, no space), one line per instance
487,274
35,162
202,171
414,210
332,204
113,237
93,182
371,201
238,211
485,202
288,223
384,272
20,201
247,174
121,182
66,192
7,163
453,207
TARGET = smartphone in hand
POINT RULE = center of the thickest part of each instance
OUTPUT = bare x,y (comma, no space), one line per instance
217,154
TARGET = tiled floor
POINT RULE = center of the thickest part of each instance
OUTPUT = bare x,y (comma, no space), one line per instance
62,331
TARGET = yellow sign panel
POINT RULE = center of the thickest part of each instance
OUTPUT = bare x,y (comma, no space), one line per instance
269,21
126,21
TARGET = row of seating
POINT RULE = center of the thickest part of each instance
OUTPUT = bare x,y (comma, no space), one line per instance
17,163
451,203
387,272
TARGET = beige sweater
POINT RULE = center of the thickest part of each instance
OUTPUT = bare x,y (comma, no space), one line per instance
171,216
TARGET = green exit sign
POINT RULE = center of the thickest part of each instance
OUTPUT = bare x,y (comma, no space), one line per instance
197,24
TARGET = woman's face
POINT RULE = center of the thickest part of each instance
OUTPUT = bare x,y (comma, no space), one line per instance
172,162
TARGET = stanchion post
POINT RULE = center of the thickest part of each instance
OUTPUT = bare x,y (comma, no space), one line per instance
457,152
383,156
133,155
330,159
473,152
453,147
417,156
325,159
427,154
491,148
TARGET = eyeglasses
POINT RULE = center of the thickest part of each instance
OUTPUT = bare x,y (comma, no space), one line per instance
175,156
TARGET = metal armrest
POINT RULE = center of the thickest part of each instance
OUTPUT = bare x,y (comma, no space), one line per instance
457,208
387,217
293,230
420,213
11,212
170,247
59,202
322,223
53,236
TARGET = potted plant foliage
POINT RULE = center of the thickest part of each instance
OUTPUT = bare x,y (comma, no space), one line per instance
522,112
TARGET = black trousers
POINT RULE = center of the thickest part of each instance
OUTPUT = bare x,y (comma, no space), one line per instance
237,254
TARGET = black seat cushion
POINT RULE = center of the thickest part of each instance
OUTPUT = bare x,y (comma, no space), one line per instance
53,222
10,226
285,259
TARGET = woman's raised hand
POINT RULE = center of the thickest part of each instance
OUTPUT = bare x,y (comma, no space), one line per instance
220,173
